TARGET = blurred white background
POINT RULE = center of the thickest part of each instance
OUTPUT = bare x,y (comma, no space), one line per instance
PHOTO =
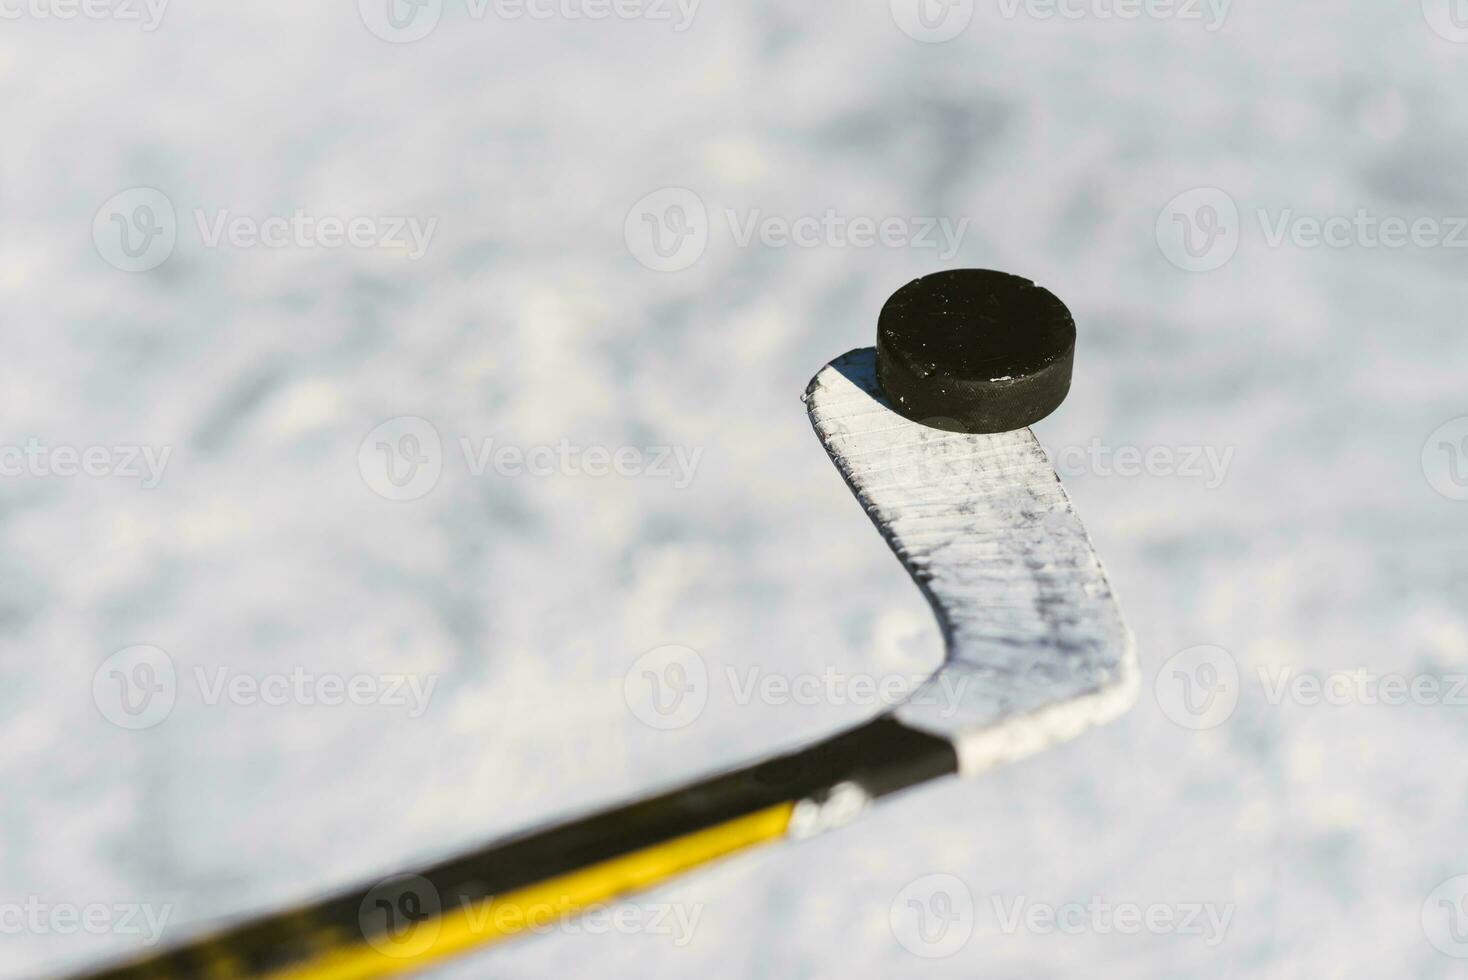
1160,173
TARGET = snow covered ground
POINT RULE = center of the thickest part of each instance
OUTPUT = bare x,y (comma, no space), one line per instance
1277,404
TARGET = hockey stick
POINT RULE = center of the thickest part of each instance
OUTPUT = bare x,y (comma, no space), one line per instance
1035,644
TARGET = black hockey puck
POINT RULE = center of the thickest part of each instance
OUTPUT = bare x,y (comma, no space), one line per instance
973,350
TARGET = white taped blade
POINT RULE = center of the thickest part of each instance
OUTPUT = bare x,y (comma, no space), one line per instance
1036,647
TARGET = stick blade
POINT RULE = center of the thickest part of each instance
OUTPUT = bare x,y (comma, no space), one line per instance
1037,650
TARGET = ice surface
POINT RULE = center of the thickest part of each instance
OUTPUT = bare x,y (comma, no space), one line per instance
528,321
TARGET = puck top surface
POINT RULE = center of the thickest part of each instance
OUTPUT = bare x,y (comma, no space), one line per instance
975,350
